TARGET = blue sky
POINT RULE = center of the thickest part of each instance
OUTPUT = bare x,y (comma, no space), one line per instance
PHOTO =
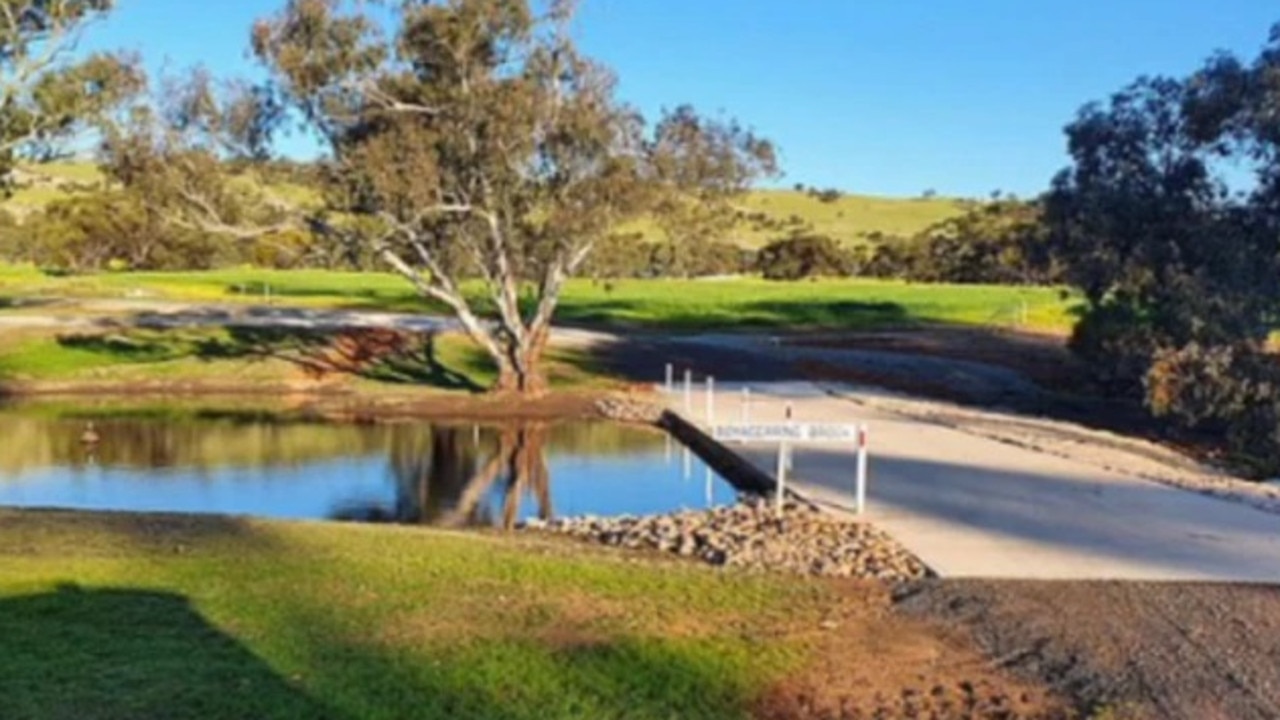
888,97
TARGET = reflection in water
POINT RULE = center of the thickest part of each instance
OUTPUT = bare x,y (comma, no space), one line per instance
449,485
439,474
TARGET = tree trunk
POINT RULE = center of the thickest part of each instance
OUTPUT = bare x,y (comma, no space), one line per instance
520,372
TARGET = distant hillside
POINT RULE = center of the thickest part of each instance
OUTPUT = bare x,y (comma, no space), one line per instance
851,219
38,185
766,214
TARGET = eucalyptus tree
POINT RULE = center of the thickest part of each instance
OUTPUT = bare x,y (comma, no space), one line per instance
1168,223
483,157
49,93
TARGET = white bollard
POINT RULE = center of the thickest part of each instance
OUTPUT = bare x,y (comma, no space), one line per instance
861,496
688,464
787,448
688,392
746,405
711,500
711,401
782,477
671,378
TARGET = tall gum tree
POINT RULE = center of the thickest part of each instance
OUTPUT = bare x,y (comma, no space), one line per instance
482,146
49,93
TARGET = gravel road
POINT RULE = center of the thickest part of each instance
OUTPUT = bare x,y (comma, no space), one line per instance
1138,650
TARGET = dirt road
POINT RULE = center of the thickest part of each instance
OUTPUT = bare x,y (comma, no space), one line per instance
1137,650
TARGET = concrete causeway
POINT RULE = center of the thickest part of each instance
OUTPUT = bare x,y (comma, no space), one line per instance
974,507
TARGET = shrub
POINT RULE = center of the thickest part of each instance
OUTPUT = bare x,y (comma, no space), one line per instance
802,256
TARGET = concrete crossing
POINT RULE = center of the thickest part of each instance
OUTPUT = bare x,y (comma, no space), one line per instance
975,507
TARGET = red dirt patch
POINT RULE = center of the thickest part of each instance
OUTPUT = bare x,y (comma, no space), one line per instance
870,662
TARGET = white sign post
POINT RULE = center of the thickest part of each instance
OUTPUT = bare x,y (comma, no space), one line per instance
688,391
788,434
861,481
782,477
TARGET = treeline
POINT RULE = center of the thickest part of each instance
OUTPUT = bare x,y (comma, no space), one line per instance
97,230
1002,242
115,230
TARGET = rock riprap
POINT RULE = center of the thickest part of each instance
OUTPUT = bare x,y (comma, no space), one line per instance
752,535
627,409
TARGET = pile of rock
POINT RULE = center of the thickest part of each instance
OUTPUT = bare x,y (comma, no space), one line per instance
625,409
752,535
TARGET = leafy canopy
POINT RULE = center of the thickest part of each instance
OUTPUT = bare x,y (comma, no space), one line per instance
483,144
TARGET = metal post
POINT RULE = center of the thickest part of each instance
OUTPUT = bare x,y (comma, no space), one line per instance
711,401
746,405
787,448
688,464
667,453
711,501
782,476
861,492
688,392
671,378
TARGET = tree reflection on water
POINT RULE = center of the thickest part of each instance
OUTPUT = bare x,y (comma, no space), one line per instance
461,474
240,463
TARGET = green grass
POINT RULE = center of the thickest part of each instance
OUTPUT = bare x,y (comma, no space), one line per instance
225,357
116,616
686,305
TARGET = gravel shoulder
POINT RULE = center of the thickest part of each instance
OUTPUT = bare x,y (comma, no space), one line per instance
1134,650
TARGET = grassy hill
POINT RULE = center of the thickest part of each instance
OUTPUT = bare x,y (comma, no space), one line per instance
770,214
851,219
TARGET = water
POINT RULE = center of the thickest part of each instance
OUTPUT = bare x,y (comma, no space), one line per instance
411,473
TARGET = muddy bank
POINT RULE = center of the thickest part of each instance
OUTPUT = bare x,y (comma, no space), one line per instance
318,403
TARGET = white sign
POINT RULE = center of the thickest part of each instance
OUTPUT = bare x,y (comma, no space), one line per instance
786,432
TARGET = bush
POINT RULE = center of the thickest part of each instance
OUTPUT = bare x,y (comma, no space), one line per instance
803,256
1226,392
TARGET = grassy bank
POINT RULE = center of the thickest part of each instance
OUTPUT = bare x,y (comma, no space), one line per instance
116,616
738,303
239,359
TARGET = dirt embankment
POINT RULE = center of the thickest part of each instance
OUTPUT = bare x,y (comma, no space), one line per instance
1125,650
869,662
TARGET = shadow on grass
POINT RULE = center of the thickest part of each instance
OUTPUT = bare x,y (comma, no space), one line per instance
301,649
81,653
387,356
802,313
58,532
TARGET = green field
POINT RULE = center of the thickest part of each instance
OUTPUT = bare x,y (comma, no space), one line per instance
677,305
114,616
